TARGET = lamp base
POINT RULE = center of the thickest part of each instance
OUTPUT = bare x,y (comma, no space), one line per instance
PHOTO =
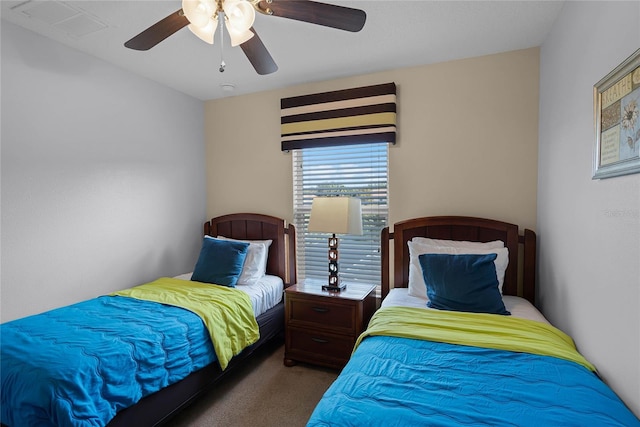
332,288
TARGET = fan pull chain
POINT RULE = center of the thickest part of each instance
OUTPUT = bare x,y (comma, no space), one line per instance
222,63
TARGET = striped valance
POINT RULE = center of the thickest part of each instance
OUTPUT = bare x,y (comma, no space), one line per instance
350,116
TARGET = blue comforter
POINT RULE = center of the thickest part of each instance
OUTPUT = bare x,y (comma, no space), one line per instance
393,381
119,350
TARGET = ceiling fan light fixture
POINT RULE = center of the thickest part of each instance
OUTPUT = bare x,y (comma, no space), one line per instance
204,16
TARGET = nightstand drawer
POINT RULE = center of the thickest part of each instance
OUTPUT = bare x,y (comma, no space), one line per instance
322,314
321,347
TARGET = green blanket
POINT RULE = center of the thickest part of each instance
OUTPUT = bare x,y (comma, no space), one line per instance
226,312
475,329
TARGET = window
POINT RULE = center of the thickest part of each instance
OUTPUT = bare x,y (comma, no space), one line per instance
349,170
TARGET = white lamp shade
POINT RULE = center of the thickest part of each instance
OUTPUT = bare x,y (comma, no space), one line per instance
238,37
203,20
205,33
199,12
337,215
240,13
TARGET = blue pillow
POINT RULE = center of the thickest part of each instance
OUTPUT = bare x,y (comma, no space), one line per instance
220,262
462,282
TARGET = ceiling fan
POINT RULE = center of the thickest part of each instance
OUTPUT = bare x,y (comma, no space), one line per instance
203,16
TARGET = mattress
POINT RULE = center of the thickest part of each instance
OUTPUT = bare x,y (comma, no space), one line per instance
265,294
519,307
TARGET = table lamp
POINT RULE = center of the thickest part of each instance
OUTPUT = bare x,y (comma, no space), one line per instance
335,215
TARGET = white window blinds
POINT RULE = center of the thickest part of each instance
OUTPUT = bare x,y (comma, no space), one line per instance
350,170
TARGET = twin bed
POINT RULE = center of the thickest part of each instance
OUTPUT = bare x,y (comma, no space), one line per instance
136,357
467,363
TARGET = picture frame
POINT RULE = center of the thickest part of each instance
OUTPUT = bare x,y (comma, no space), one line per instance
617,120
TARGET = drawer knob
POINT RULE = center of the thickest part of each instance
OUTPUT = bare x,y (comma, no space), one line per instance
320,310
319,340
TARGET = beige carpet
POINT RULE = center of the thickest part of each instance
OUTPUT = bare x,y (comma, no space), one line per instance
263,393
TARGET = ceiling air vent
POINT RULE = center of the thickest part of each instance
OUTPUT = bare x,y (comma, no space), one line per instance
62,16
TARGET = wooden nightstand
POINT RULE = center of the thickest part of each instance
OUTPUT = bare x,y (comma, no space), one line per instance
322,327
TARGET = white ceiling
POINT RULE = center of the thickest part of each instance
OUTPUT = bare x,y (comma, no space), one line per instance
396,34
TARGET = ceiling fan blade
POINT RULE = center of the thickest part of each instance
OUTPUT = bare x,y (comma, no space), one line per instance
158,31
328,15
258,55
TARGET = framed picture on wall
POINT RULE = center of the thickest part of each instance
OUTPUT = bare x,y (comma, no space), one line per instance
617,120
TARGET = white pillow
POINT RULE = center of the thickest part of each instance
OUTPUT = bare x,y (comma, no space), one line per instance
255,264
418,288
495,244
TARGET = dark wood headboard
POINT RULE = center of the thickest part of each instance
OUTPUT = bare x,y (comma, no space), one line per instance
251,226
522,248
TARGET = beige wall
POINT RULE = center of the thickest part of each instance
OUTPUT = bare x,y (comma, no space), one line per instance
467,142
